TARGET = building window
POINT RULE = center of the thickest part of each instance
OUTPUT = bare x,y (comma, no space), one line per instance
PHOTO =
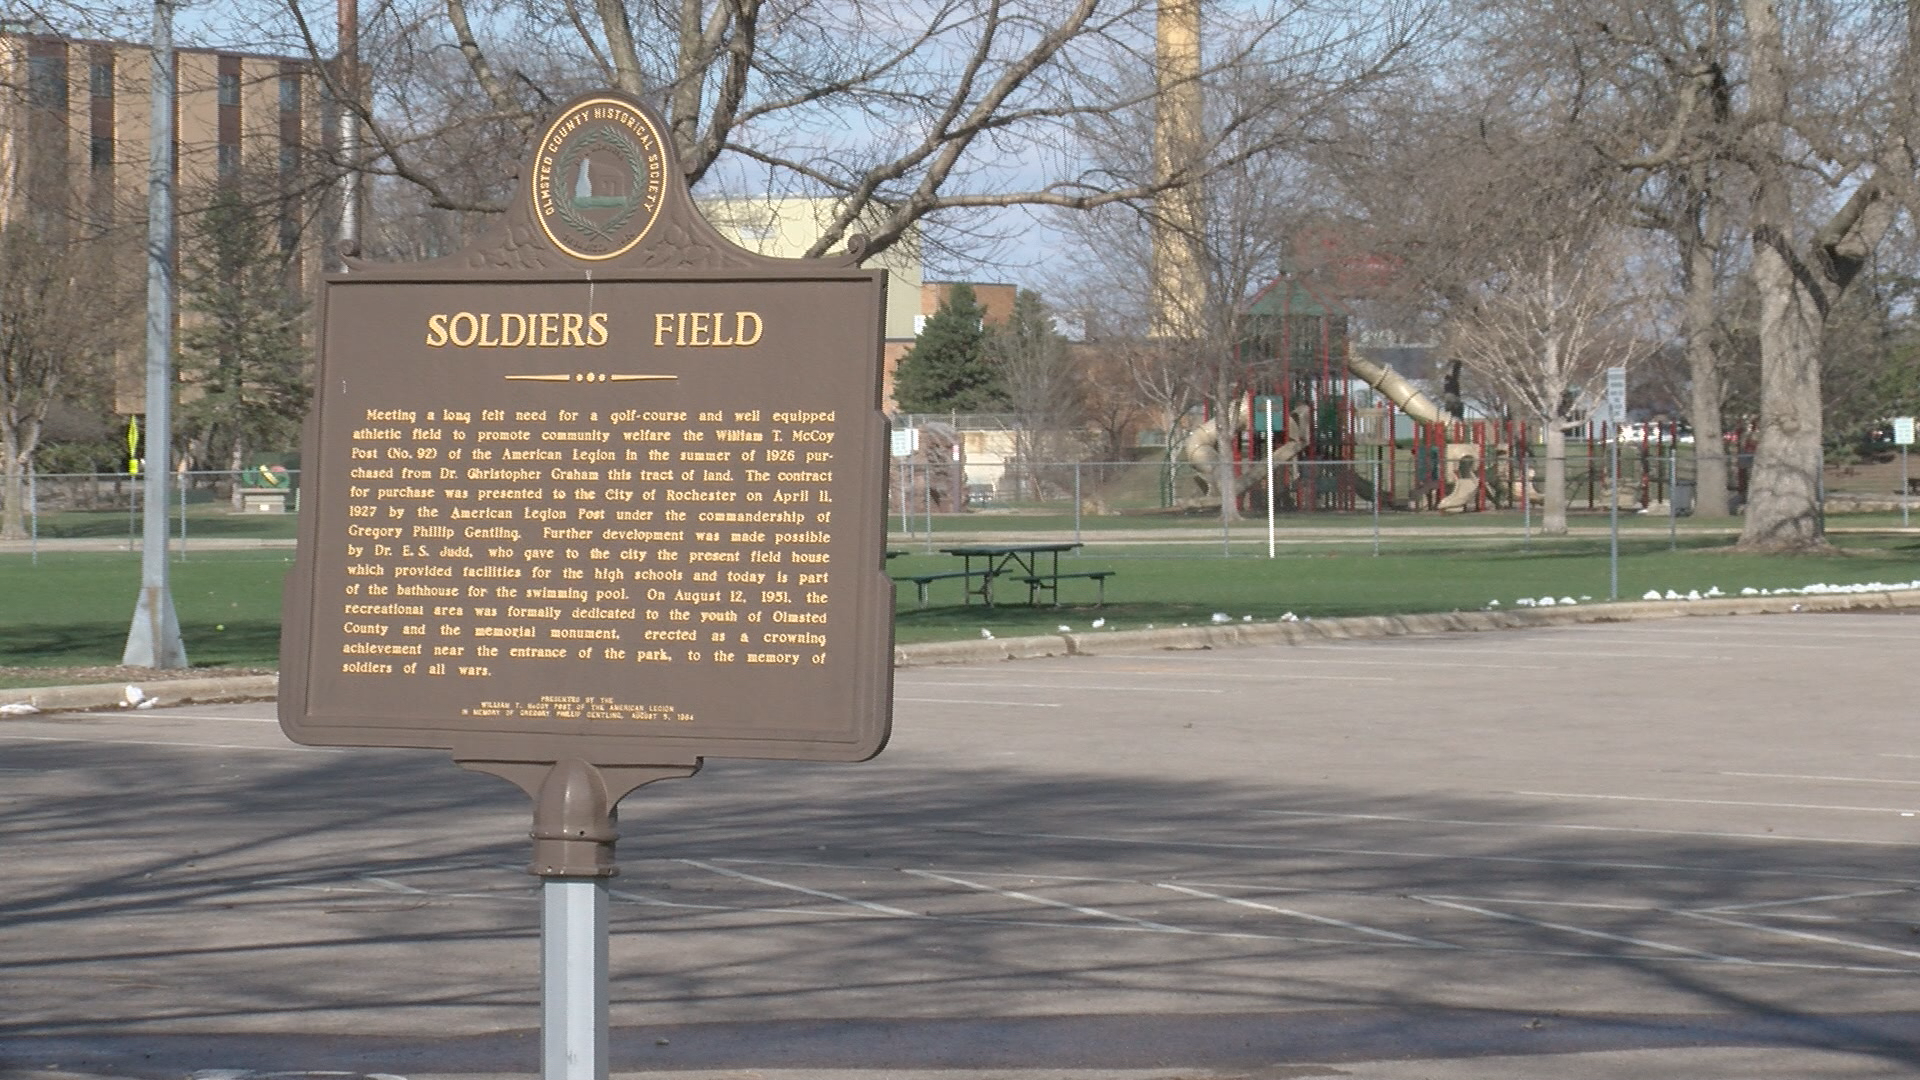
47,81
289,93
229,89
100,153
229,161
289,232
289,160
100,80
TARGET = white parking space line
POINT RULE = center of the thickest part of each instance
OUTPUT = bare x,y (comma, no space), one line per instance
390,884
1451,856
1373,660
788,885
1758,904
1745,642
1821,779
1525,650
1800,935
978,701
1906,811
1723,630
1583,931
1276,676
1045,902
288,748
171,715
997,685
1569,827
1296,914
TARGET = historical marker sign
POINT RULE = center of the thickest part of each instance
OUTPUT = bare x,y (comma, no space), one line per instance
603,486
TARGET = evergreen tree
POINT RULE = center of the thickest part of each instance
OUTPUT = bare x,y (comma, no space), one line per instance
948,369
241,345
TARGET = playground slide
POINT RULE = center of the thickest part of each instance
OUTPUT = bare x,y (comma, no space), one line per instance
1397,389
1419,406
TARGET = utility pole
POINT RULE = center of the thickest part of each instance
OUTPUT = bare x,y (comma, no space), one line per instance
347,71
153,641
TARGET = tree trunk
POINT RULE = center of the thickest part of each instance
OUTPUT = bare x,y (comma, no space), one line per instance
13,499
238,463
1783,509
1553,520
1703,360
1223,482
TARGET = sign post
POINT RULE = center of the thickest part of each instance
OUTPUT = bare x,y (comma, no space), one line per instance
1617,413
592,500
1263,422
1903,437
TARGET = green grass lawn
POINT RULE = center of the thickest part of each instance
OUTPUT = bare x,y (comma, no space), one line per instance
72,609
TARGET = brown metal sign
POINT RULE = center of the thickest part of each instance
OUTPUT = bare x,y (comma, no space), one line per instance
603,487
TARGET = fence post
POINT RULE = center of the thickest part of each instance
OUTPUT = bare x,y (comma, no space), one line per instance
182,485
1673,504
1376,507
33,512
1076,502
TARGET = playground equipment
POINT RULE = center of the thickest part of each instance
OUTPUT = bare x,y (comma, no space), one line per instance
1327,451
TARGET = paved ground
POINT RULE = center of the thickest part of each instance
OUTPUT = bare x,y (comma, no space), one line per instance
1681,848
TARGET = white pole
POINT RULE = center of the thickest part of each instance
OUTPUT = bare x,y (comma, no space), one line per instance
1269,476
153,640
1904,491
1376,507
573,978
1613,514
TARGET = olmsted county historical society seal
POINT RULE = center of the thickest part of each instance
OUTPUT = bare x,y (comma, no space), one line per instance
597,179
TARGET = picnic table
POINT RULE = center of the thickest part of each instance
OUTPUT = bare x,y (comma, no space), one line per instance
1037,566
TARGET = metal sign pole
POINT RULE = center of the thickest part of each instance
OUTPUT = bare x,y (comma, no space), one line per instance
1613,517
573,979
1269,434
1903,434
1617,412
1673,502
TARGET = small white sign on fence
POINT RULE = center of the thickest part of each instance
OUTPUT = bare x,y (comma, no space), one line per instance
906,441
1903,431
1617,394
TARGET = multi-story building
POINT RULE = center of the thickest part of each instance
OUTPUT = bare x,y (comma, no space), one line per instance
74,150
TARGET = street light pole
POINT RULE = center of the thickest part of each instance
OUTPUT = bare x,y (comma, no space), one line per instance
153,641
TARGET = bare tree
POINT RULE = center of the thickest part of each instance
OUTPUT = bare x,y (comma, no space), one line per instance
1543,331
59,313
894,113
1801,273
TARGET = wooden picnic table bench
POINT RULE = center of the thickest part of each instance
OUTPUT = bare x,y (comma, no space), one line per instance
921,581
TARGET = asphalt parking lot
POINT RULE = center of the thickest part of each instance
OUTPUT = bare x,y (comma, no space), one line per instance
1674,848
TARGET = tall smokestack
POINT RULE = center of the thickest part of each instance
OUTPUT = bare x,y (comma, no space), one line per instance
1179,286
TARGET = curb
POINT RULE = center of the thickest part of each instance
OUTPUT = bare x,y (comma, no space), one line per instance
1171,639
94,696
1364,627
